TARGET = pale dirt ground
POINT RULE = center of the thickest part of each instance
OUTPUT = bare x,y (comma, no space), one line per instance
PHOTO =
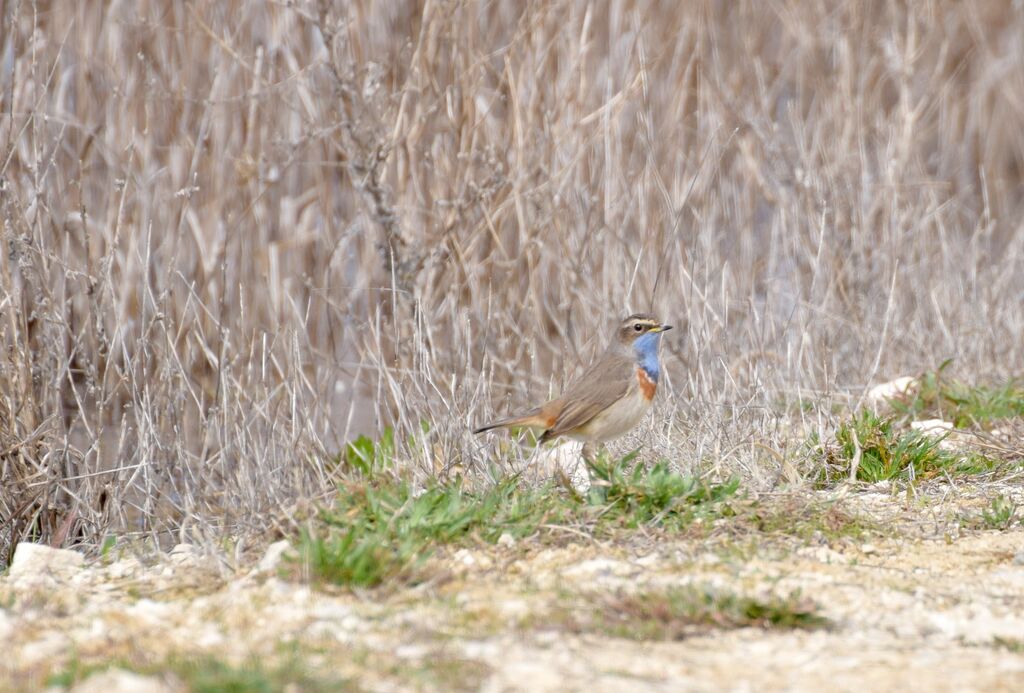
928,607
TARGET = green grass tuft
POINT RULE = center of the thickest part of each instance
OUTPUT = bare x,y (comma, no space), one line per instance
383,529
369,457
658,495
1015,645
207,674
963,404
1001,514
807,520
679,612
888,451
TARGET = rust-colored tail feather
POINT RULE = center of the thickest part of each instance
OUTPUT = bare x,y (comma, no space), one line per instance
531,420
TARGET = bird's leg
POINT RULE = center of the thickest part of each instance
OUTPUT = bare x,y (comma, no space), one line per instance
591,459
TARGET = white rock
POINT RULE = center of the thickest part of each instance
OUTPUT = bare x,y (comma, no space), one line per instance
153,613
1010,580
184,554
328,610
97,630
37,559
482,649
273,556
345,629
648,560
548,638
600,567
565,458
208,638
45,648
899,388
7,626
506,540
121,681
951,439
823,554
412,651
975,623
513,609
472,560
464,557
126,567
709,558
935,427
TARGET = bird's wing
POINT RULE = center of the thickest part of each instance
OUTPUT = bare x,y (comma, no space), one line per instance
604,383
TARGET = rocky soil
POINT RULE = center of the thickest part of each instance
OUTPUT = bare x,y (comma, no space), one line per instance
924,604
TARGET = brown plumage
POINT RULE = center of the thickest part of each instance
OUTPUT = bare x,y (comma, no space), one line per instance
610,397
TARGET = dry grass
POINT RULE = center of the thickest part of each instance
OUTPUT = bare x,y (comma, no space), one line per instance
238,233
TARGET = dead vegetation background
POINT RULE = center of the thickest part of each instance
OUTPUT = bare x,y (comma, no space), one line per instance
236,234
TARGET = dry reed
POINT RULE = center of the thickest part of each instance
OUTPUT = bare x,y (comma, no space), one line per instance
236,234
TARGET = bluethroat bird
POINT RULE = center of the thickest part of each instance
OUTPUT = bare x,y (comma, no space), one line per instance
610,397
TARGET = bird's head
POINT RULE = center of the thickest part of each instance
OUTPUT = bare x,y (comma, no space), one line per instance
640,330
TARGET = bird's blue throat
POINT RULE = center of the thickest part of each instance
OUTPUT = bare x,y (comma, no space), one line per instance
646,348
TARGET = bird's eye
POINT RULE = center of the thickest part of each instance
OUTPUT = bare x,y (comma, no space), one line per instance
638,327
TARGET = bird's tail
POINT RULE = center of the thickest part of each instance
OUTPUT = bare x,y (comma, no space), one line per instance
534,419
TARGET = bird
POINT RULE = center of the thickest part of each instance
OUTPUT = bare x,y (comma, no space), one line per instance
610,397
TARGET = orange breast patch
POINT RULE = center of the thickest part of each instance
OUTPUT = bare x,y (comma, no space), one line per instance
647,386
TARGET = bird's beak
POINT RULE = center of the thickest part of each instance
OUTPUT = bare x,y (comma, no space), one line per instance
663,328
